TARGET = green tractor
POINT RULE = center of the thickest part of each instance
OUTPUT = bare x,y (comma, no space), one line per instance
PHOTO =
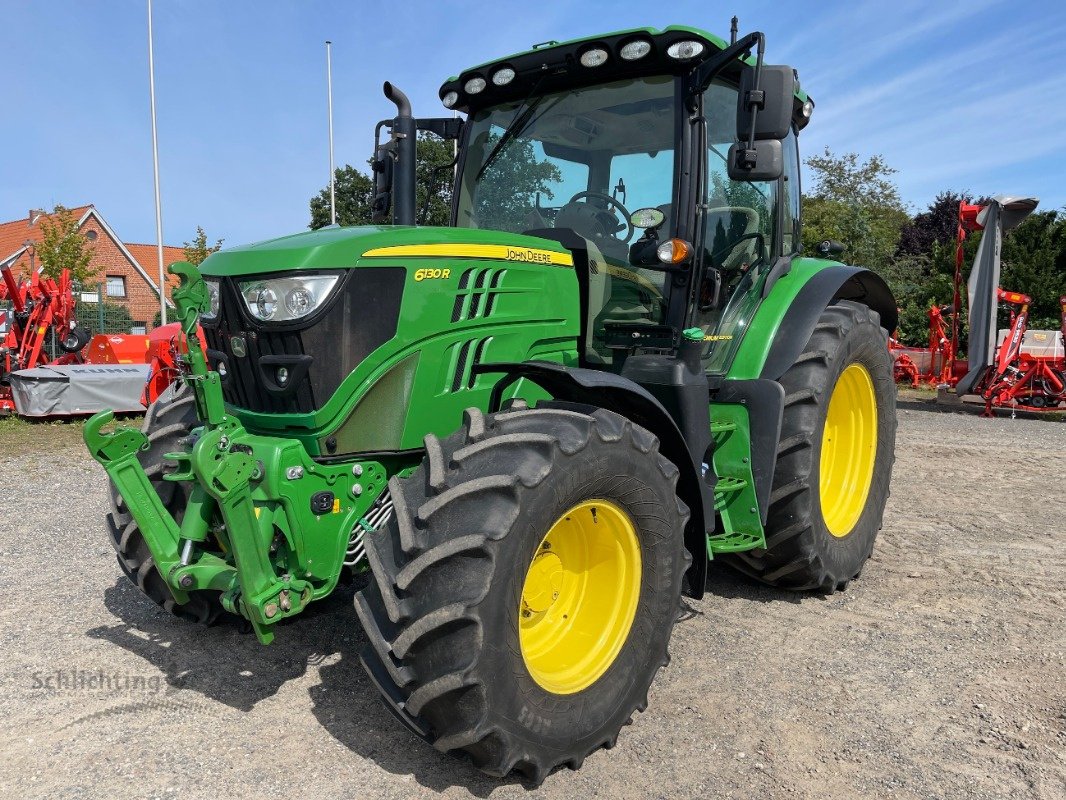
533,428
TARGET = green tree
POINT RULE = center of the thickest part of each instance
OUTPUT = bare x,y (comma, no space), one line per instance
510,186
355,189
856,203
434,175
355,193
62,246
197,250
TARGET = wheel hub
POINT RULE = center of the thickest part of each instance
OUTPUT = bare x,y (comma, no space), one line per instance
543,582
580,596
849,449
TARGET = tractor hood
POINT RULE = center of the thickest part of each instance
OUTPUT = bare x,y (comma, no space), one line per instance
332,248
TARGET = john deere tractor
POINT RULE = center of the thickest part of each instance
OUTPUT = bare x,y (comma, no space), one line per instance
533,428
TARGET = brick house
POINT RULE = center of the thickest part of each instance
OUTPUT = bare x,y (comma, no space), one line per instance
125,269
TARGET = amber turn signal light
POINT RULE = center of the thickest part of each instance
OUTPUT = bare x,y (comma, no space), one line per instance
674,251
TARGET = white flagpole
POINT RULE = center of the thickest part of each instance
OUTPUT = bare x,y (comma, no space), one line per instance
155,167
332,172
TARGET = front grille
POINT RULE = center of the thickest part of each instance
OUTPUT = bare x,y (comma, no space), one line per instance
361,315
244,387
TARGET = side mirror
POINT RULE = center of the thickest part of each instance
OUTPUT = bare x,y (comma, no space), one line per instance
773,98
763,162
382,168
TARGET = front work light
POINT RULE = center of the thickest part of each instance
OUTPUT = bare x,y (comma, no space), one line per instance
635,50
286,299
475,85
450,99
503,76
594,57
684,50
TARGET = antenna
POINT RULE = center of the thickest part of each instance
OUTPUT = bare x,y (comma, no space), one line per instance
332,172
733,31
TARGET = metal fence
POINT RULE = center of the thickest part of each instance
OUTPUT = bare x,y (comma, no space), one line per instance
97,312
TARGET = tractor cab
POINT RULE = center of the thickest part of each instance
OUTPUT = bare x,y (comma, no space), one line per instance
620,148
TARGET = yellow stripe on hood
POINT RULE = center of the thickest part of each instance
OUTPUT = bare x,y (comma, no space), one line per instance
497,252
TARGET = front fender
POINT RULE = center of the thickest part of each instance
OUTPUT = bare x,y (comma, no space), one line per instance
785,320
607,390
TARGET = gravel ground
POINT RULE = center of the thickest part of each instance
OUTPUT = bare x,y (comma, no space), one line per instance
939,674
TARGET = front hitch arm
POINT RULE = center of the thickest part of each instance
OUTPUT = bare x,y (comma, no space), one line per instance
117,453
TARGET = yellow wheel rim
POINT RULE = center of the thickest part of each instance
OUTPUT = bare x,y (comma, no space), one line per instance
580,597
849,447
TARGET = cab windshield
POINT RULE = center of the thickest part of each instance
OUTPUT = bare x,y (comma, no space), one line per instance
581,159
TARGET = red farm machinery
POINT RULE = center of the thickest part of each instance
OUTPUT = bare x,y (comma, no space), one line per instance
1029,371
52,366
1012,368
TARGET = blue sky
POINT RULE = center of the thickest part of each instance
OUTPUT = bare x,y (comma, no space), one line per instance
955,95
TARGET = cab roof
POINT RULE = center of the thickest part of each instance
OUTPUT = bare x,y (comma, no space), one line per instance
551,66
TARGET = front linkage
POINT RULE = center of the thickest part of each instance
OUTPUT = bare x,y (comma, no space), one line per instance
265,525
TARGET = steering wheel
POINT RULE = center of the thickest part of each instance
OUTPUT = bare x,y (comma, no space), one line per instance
606,219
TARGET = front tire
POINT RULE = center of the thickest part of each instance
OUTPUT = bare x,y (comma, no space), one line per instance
525,591
834,459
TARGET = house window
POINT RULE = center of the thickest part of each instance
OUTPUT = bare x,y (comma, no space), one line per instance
116,286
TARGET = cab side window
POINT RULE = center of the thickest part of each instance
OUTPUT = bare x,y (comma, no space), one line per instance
790,239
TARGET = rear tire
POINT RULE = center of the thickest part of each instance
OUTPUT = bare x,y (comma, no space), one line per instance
450,601
168,420
801,551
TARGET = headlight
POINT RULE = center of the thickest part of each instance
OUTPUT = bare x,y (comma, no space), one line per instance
212,293
286,299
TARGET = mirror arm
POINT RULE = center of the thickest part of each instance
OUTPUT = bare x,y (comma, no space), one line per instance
447,128
708,70
756,100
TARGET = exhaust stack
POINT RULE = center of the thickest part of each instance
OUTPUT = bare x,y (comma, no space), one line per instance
404,136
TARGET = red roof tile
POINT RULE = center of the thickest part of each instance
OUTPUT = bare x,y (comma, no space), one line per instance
148,258
14,234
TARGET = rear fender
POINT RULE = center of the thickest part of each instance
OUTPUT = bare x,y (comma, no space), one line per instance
785,320
606,390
